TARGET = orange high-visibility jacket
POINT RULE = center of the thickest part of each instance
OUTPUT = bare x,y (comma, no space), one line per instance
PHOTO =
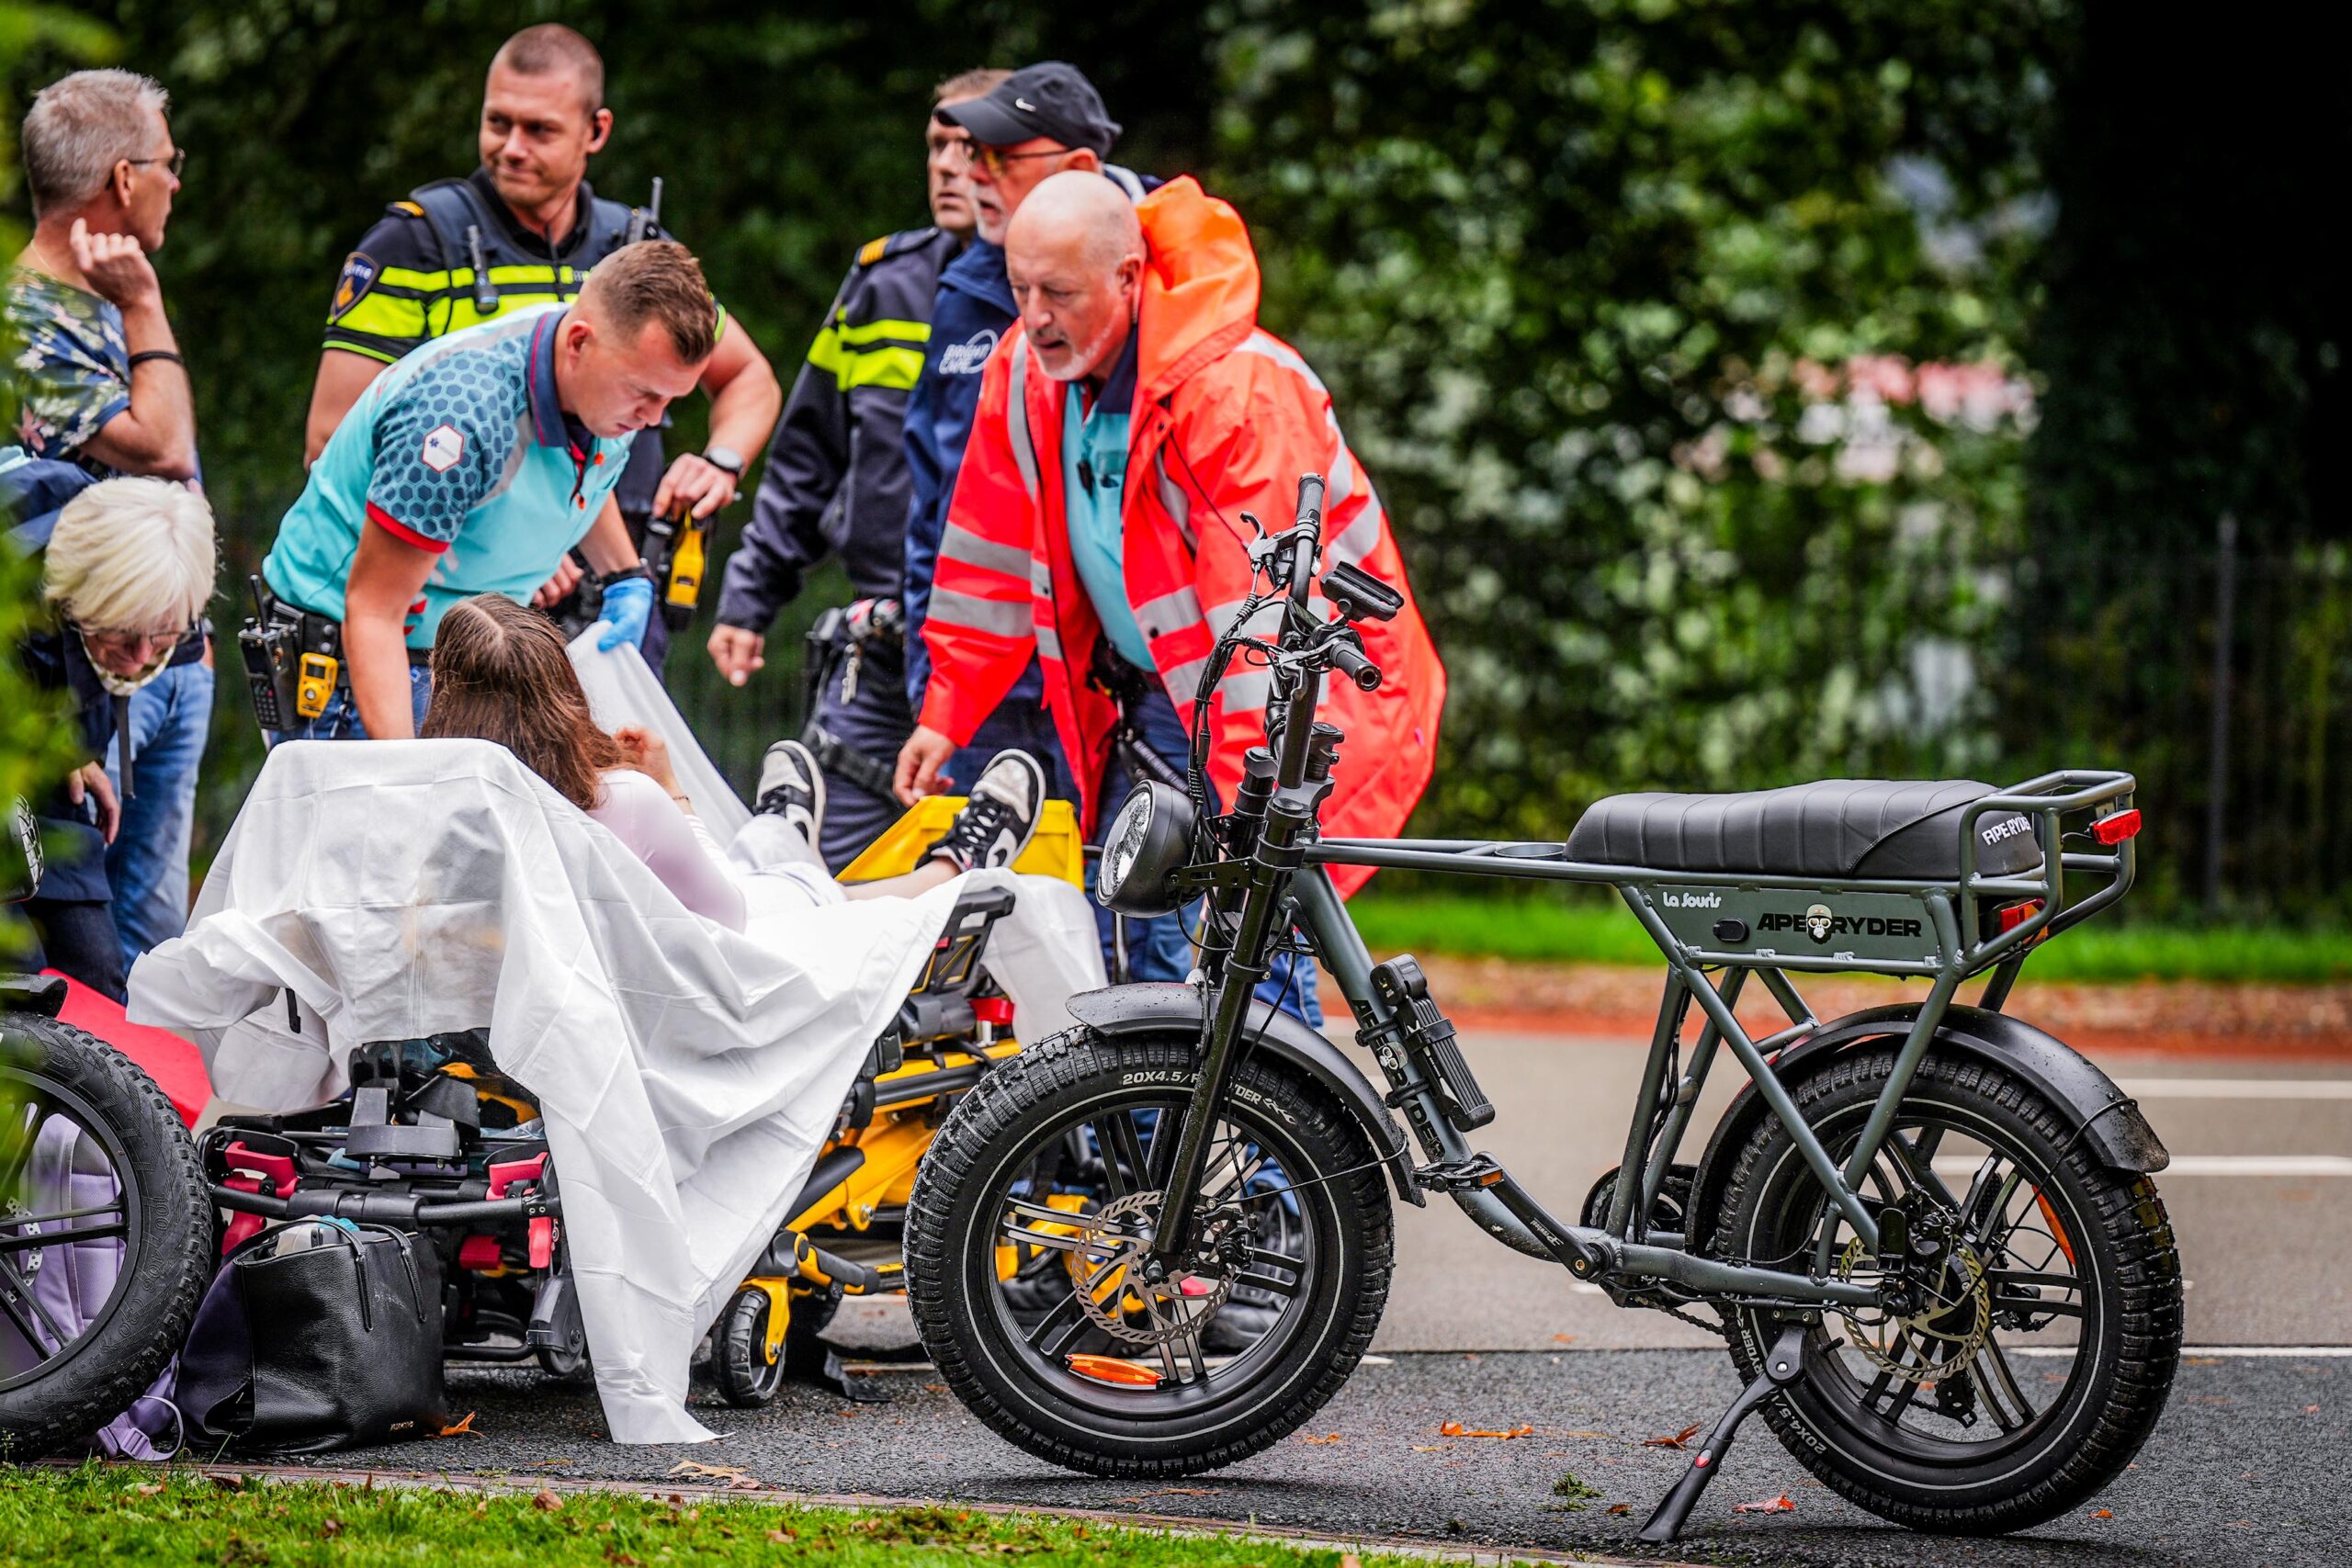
1227,417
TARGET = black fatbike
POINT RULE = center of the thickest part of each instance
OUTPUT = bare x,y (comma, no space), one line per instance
1157,1244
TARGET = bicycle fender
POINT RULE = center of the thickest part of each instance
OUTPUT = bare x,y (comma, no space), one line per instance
1171,1007
2099,1114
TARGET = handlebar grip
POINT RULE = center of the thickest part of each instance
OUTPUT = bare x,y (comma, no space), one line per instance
1350,660
1310,498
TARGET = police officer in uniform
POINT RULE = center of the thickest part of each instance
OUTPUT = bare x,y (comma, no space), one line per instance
525,228
836,484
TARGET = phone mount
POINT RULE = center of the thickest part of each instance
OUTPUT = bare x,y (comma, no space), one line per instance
1359,595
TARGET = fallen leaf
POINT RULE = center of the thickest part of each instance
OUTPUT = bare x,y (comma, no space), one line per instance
148,1488
1617,1509
782,1535
618,1558
1456,1429
1327,1438
715,1471
2310,1409
1418,1448
1348,1560
332,1528
1679,1440
230,1483
546,1501
1563,1340
1188,1492
1450,1430
464,1429
2104,1514
1783,1504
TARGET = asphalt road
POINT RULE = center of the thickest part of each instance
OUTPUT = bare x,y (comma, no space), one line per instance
2242,1469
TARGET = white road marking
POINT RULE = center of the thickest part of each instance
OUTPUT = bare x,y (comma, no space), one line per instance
2236,1089
2218,1352
2208,1164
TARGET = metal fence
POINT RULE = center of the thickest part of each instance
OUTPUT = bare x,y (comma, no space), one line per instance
2222,677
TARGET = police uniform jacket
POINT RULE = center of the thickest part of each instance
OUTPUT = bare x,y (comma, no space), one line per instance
453,256
836,479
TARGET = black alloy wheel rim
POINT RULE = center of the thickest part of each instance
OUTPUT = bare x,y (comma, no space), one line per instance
1195,1381
1870,1409
28,1099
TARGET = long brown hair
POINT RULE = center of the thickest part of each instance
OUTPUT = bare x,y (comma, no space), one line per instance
500,673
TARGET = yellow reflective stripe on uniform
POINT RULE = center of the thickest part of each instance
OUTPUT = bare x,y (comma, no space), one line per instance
826,354
907,331
888,365
384,316
894,368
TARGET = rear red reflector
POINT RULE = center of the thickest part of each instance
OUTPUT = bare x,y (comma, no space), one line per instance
2117,827
2012,916
997,1010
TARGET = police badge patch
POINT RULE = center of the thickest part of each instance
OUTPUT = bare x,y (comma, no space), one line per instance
359,276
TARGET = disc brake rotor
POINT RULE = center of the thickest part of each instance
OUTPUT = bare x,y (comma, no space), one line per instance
1907,1346
1176,1308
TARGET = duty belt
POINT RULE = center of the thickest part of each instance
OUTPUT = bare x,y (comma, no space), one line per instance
848,639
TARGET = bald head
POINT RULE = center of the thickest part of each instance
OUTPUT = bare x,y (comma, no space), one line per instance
1080,213
1075,256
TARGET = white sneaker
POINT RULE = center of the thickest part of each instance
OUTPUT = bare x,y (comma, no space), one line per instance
996,822
792,786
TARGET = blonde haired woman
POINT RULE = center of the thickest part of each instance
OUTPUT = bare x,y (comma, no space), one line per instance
127,567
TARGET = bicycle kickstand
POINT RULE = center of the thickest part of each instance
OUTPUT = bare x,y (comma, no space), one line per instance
1782,1366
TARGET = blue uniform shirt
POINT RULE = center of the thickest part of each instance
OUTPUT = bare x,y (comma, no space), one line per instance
460,448
1095,472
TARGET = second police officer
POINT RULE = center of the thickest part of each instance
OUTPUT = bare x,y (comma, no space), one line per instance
836,484
525,228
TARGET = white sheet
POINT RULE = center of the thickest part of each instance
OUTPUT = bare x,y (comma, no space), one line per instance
688,1075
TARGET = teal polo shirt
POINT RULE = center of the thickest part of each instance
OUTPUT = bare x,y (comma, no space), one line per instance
462,449
1094,476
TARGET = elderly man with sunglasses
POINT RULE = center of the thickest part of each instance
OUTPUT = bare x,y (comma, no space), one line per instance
100,386
1042,120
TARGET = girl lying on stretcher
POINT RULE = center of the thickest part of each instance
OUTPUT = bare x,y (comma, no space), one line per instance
500,672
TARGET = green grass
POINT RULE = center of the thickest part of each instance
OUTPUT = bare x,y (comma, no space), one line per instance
101,1514
1559,930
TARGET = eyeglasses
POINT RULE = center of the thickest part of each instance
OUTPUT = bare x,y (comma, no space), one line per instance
178,161
994,159
141,642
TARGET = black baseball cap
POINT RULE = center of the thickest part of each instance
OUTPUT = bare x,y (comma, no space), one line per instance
1051,99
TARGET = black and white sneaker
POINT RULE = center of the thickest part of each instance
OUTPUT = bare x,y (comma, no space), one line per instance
792,786
996,823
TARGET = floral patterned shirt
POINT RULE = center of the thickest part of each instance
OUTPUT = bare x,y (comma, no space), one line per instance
69,362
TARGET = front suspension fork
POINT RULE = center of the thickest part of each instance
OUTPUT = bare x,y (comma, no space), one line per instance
1281,848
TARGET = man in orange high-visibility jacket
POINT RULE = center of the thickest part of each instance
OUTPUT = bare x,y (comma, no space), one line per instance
1123,429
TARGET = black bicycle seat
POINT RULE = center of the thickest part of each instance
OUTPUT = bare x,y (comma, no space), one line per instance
1906,830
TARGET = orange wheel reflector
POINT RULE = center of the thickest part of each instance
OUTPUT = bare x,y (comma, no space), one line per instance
1111,1370
2057,1231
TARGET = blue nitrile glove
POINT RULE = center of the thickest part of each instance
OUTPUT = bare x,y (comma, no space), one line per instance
628,603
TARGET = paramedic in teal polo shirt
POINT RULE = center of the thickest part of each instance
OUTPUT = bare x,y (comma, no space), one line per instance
473,464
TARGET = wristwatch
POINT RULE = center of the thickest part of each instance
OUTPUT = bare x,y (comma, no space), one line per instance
724,458
642,570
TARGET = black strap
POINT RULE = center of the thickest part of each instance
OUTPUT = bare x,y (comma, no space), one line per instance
837,758
144,355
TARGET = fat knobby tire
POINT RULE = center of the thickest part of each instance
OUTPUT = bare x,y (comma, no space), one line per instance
2109,1411
1010,1107
107,1369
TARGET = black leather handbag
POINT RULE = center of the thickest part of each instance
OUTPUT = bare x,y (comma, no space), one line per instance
315,1336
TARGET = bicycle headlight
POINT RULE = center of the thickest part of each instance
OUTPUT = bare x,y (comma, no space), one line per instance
1147,843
